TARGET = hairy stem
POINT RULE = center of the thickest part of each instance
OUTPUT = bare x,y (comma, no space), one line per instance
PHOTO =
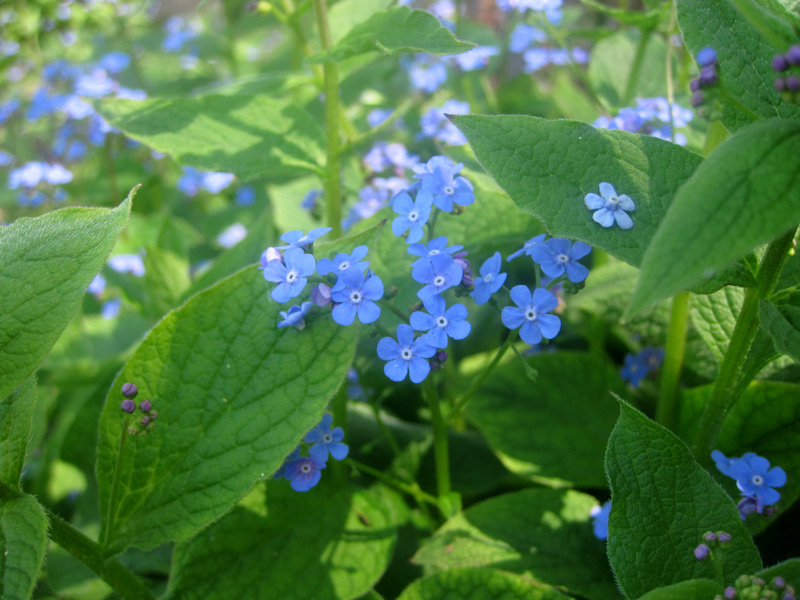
673,361
441,451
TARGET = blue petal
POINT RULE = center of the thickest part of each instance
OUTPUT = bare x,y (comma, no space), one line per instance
607,190
458,330
344,314
549,325
521,296
388,349
481,293
275,271
368,311
623,220
512,317
419,369
372,288
422,321
402,204
396,370
604,216
775,477
399,225
593,201
530,333
576,272
339,451
415,234
436,337
405,335
544,300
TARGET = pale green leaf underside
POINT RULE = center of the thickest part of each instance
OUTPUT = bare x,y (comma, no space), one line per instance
479,584
234,395
540,533
548,167
46,264
16,419
662,504
745,194
543,436
782,323
249,136
398,29
326,544
23,541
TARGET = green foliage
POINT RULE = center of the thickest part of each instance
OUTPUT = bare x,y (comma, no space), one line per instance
46,264
16,419
249,136
324,544
789,570
662,504
166,278
539,533
548,167
715,315
234,395
782,323
693,589
478,584
742,196
23,541
536,434
398,29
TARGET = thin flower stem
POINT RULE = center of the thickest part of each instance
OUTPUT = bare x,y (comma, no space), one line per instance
723,395
387,433
670,84
673,360
413,490
105,532
440,448
636,66
390,305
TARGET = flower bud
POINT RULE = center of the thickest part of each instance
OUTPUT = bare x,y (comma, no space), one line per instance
779,63
730,593
778,583
694,85
710,537
270,254
321,295
708,76
780,84
697,99
129,390
793,83
145,406
793,55
128,406
724,537
145,421
702,552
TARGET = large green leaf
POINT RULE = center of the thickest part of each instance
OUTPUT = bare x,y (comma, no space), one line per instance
782,323
548,167
234,395
744,55
662,503
788,569
46,264
540,533
693,589
398,29
325,544
478,584
166,278
714,316
16,419
347,14
23,541
537,433
249,136
745,194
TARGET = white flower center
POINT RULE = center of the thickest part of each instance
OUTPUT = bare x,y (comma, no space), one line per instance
441,321
433,253
355,296
530,314
306,468
612,203
562,258
413,216
327,438
345,264
489,278
406,354
449,190
291,276
438,281
758,480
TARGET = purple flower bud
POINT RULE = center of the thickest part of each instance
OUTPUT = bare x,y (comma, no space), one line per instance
270,254
145,406
441,356
708,76
758,581
779,583
780,84
702,552
793,83
694,85
706,57
128,406
321,295
748,505
724,537
697,99
460,259
129,390
730,593
710,537
779,63
145,421
788,596
793,55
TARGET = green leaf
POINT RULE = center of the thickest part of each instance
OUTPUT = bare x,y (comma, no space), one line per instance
398,29
743,195
325,544
643,20
166,277
548,167
782,323
347,14
250,136
16,420
788,569
745,58
714,316
765,420
23,541
662,504
693,589
540,533
234,395
535,433
479,584
46,264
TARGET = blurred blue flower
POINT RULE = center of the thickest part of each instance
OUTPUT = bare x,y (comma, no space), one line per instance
434,247
438,274
436,125
7,109
475,59
525,35
97,130
110,309
326,440
304,473
245,195
558,255
490,281
406,356
531,314
634,370
291,275
358,296
127,263
42,104
128,94
427,74
59,69
371,200
297,239
441,322
114,62
232,235
528,247
6,158
76,108
97,285
378,115
610,207
295,316
95,84
600,516
413,215
33,173
178,33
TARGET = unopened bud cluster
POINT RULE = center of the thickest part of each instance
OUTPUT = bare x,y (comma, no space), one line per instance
748,587
708,78
714,546
787,81
146,422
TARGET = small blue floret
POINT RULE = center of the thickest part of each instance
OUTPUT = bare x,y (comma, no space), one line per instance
406,355
610,207
490,281
441,322
530,314
558,256
357,296
326,440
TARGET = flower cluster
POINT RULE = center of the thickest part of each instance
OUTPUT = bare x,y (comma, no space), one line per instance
787,80
436,125
128,406
748,586
638,366
706,80
304,472
650,116
527,40
754,478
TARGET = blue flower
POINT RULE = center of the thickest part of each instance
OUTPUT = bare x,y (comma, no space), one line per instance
634,370
435,124
326,440
298,240
377,116
311,199
232,235
357,297
341,262
725,464
245,195
111,308
652,357
528,247
439,178
558,255
291,275
477,58
706,57
441,322
413,215
523,36
599,516
426,75
755,478
405,355
490,281
434,247
293,456
438,274
530,313
127,263
114,62
295,316
304,473
610,207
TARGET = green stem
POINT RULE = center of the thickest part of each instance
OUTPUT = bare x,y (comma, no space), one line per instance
440,449
636,67
387,433
105,532
389,304
722,395
673,361
112,171
414,490
332,183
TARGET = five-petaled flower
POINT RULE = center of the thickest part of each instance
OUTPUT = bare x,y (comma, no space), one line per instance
441,322
490,281
528,247
530,314
291,275
755,478
438,274
599,516
610,207
405,355
558,255
413,215
439,177
434,247
326,440
304,473
295,316
357,297
296,238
